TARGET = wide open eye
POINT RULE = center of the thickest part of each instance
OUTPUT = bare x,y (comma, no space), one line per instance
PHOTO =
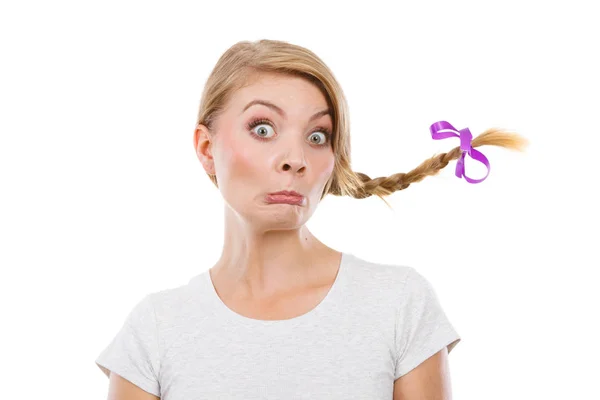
259,128
262,130
324,135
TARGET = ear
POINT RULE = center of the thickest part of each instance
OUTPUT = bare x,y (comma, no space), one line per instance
203,147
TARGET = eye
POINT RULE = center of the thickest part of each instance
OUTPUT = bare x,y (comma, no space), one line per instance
324,135
260,130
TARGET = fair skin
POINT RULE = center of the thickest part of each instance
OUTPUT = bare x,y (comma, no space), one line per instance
269,256
430,380
271,266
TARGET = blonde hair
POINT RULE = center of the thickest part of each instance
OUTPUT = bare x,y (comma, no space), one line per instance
244,61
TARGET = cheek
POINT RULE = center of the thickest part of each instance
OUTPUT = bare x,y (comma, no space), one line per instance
238,160
326,166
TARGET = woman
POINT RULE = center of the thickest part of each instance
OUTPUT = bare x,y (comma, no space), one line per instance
281,315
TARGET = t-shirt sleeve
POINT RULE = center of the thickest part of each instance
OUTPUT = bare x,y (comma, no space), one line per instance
133,352
422,327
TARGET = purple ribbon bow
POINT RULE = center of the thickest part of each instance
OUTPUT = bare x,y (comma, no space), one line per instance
443,130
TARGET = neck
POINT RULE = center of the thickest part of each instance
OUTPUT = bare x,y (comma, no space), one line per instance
258,263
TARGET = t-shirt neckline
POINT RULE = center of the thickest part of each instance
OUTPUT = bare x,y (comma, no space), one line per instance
222,310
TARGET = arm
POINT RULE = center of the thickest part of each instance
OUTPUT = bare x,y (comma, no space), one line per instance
120,388
430,380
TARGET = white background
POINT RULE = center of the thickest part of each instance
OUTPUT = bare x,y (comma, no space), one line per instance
103,200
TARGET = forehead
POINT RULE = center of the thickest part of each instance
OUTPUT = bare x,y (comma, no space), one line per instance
292,93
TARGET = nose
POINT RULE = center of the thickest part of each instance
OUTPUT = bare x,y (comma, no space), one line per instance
294,166
293,157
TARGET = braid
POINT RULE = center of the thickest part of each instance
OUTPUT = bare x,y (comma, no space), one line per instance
384,186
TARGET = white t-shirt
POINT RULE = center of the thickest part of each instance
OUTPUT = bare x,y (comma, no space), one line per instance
377,323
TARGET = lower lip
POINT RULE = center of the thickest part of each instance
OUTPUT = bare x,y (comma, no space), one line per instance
285,199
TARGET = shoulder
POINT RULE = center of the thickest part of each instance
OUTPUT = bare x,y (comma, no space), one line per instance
380,279
389,274
401,286
175,302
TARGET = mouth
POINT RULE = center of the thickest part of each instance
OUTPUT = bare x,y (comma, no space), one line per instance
285,197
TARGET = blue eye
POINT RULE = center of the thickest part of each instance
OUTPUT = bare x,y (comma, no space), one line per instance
261,133
325,135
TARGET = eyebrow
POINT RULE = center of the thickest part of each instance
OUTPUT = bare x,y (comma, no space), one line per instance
280,111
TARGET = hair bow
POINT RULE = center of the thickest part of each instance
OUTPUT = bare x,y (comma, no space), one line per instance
443,130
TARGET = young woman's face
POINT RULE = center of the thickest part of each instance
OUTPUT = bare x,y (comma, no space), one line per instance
259,150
